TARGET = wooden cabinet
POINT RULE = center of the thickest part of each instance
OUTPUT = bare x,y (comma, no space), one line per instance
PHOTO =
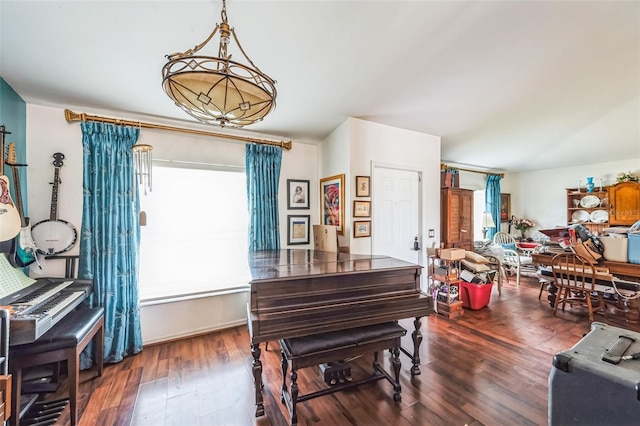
624,199
456,218
588,208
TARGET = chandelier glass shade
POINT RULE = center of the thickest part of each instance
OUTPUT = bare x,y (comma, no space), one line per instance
218,90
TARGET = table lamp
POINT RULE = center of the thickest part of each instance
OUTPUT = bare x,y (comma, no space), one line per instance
487,222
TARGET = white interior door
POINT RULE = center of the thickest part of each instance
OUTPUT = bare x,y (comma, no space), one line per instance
396,213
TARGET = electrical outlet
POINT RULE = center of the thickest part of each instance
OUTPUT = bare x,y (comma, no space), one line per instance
432,233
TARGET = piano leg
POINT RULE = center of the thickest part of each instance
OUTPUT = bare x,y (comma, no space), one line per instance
416,336
257,378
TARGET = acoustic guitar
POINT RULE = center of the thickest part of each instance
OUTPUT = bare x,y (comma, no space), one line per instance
54,235
9,216
23,251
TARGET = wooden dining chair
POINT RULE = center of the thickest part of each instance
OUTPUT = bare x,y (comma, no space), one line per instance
575,278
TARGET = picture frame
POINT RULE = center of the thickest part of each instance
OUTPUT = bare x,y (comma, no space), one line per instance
298,229
332,202
361,208
363,186
361,228
505,207
297,194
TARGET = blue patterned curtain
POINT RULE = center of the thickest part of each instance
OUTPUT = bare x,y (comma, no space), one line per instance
263,175
110,235
492,202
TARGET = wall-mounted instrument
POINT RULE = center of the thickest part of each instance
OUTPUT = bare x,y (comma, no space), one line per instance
23,251
54,235
9,216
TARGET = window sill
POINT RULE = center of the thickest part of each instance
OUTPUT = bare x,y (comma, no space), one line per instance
192,296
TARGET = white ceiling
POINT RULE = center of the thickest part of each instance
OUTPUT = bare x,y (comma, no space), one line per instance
509,85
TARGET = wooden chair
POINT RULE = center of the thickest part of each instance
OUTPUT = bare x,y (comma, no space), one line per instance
512,261
575,278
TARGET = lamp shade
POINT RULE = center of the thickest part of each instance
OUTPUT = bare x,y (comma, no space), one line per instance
487,220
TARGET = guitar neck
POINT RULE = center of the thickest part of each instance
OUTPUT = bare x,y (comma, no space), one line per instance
54,195
18,192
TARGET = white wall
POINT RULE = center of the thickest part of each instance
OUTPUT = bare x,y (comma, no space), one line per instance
48,133
541,195
373,143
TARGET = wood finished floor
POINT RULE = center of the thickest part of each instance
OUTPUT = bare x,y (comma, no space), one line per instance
487,367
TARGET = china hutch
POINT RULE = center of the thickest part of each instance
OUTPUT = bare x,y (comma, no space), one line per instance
606,206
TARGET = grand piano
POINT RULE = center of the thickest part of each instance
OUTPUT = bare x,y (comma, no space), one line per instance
304,292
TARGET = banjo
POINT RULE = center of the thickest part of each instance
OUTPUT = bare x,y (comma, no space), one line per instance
54,235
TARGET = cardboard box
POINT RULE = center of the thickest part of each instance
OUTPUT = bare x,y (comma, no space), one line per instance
587,250
452,254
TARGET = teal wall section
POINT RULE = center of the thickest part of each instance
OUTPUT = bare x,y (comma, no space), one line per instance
13,114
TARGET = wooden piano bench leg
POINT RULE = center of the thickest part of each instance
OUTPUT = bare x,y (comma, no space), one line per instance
65,341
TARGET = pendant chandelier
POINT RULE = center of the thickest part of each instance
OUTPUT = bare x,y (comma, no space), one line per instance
218,90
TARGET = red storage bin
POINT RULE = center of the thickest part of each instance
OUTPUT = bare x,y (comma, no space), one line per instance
475,296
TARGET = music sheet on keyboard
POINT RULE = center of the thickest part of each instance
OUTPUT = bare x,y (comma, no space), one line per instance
12,279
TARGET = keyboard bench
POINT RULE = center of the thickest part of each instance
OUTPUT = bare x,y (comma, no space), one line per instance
63,342
308,351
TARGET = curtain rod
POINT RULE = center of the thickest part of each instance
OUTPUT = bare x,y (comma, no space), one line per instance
71,116
444,167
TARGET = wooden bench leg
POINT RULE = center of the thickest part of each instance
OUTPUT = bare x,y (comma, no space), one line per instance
16,395
285,368
73,366
294,397
396,372
99,340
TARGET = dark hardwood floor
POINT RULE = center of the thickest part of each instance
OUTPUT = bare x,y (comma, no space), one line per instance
487,367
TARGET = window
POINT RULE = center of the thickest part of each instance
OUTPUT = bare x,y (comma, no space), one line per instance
195,240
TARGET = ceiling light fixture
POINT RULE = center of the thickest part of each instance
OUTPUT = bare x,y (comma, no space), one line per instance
217,90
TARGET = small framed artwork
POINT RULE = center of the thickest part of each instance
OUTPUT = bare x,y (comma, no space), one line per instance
361,228
298,229
505,207
362,186
297,194
331,202
361,208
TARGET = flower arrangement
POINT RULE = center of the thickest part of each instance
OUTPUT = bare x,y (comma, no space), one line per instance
626,177
522,224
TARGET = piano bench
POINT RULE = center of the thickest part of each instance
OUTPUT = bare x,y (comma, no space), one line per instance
63,342
322,348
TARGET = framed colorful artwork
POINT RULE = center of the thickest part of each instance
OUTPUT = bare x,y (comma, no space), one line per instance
361,228
297,194
332,202
505,207
361,208
363,186
298,229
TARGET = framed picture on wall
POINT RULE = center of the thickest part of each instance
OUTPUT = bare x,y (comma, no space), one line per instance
505,207
363,186
297,194
298,229
361,228
332,202
361,208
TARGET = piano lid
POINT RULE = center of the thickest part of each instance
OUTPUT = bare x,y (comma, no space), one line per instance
266,265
